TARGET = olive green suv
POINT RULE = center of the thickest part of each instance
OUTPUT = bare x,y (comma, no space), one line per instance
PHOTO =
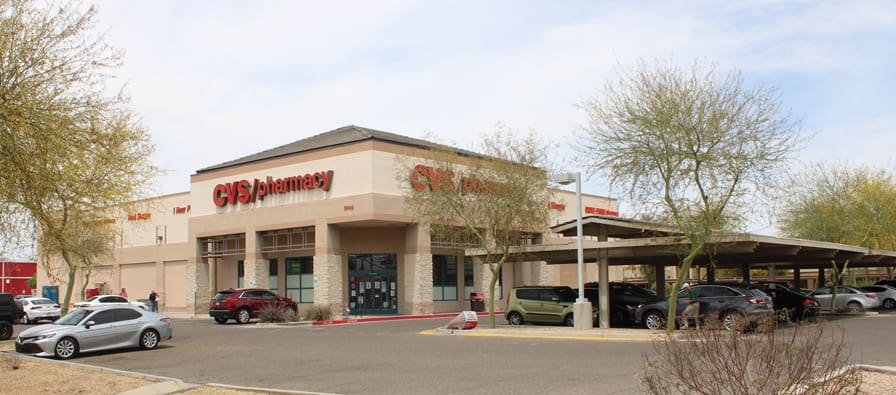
543,304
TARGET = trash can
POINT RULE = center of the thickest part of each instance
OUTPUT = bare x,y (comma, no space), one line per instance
91,292
477,301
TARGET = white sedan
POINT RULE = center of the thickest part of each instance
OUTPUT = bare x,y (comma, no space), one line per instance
35,309
108,299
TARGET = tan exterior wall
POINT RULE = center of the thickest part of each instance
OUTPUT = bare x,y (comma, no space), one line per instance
362,212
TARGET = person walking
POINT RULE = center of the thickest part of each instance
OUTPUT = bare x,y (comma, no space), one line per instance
123,293
693,307
153,302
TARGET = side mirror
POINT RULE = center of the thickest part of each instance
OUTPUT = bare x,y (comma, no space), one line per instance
89,324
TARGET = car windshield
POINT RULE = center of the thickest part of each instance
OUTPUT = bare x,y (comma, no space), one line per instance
73,318
223,295
42,301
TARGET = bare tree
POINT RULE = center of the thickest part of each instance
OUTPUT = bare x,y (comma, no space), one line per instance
690,146
70,153
498,198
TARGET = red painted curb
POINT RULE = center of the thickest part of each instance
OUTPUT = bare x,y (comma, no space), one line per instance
394,318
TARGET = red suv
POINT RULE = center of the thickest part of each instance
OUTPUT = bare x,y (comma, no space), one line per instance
245,303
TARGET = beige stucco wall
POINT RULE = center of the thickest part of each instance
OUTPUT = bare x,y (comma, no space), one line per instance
361,213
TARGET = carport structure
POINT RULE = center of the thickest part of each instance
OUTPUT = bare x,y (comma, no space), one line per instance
618,241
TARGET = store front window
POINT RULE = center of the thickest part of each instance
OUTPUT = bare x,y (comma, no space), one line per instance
444,277
468,277
272,276
300,279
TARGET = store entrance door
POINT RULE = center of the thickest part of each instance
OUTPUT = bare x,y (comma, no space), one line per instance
373,284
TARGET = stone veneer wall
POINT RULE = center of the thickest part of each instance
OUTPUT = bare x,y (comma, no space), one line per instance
256,273
417,284
330,279
197,276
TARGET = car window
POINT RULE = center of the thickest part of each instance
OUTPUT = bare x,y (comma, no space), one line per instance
92,298
872,288
249,294
126,314
223,295
103,317
567,295
530,294
844,290
268,295
717,292
823,291
42,301
73,318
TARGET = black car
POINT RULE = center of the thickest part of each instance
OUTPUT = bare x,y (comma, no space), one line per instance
728,302
790,305
891,283
624,300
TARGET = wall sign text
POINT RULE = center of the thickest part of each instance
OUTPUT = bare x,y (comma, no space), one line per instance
243,191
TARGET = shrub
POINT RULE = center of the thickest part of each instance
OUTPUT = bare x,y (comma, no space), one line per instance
799,359
272,313
319,313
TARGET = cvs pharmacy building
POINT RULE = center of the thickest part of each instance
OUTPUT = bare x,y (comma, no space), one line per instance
320,220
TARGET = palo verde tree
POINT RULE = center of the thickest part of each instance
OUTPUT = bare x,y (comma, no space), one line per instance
841,203
495,199
690,146
70,153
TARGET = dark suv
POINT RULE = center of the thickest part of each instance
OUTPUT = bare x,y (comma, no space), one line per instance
624,300
730,302
544,304
10,312
245,303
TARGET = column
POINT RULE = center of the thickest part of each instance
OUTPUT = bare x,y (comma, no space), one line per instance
256,273
821,279
796,277
198,291
328,268
745,272
417,271
660,278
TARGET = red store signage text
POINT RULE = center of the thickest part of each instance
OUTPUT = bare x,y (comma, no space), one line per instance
245,192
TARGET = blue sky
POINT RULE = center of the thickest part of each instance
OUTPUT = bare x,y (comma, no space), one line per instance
217,80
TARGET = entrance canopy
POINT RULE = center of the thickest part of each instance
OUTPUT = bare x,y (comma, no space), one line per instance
631,242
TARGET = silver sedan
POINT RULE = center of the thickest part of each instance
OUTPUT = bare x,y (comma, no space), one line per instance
848,298
96,328
885,293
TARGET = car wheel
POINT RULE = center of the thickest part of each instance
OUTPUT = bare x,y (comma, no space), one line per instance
889,304
242,316
654,320
515,318
569,320
220,320
783,315
732,320
854,307
149,339
25,320
66,348
5,330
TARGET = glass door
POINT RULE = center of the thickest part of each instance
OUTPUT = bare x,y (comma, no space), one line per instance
373,284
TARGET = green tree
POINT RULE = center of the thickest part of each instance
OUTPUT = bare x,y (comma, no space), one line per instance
691,147
498,198
70,153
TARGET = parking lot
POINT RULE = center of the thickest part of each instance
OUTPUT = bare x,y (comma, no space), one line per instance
394,357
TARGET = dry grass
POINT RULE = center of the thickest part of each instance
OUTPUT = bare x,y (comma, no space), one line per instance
20,376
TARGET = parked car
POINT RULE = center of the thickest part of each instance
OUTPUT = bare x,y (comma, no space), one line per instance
10,312
885,294
244,304
790,305
848,298
542,304
96,328
730,302
891,283
35,309
108,299
624,300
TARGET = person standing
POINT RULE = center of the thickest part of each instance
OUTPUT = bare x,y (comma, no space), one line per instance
693,307
123,293
153,302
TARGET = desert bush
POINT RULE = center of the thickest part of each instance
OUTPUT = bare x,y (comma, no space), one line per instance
319,313
797,359
272,313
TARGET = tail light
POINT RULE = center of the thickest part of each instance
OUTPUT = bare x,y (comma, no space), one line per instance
756,300
36,307
871,296
808,302
165,319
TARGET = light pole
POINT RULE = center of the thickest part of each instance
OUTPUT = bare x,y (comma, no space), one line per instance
582,307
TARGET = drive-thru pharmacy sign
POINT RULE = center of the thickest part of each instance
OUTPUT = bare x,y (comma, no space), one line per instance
243,191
